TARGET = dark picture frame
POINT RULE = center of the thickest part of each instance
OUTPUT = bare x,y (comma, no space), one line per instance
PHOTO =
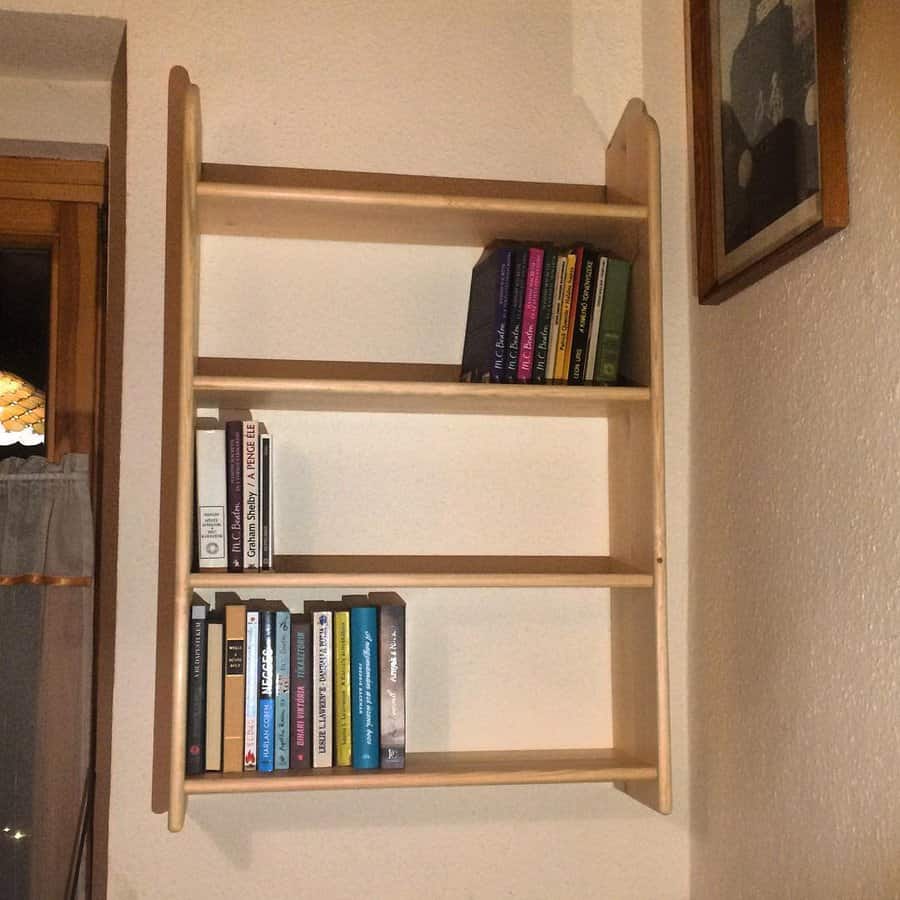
769,144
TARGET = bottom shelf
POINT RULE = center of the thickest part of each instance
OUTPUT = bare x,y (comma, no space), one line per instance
442,770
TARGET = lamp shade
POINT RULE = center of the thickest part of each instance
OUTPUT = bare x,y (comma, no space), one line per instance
22,411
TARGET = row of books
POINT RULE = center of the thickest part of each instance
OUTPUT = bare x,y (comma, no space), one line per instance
234,517
543,315
272,690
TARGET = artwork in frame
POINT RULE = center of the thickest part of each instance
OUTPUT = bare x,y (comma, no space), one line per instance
770,161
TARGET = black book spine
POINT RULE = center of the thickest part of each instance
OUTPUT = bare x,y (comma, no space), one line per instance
516,303
301,692
545,314
392,655
196,722
234,494
578,362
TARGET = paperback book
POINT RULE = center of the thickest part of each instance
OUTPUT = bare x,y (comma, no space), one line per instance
282,689
196,724
364,686
266,720
251,695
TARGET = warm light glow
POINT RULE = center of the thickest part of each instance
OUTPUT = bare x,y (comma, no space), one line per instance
19,835
6,829
22,411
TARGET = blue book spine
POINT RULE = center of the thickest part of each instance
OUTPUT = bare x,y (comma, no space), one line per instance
282,689
365,726
266,759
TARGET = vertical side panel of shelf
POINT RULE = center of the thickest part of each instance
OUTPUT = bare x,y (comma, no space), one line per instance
640,680
176,493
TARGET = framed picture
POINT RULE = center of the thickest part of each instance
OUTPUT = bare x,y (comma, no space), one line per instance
770,160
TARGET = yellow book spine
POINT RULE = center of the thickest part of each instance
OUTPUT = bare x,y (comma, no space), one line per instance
342,736
560,369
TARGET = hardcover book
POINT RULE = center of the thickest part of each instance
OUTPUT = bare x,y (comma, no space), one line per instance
560,367
251,690
282,689
599,287
215,645
266,720
266,495
392,678
234,495
250,449
364,686
530,314
211,498
544,319
516,305
612,321
484,349
322,689
301,691
196,723
581,329
233,708
342,723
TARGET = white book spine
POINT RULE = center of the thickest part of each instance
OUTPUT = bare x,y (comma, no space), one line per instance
267,495
594,338
214,689
558,283
251,496
251,692
322,690
210,453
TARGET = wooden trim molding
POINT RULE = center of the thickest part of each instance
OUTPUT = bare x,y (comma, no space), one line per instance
25,177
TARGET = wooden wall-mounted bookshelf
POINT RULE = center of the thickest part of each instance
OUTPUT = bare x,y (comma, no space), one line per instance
624,217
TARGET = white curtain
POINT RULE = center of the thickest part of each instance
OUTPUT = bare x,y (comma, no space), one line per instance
46,662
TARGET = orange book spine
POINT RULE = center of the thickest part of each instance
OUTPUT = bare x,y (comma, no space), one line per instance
561,366
233,705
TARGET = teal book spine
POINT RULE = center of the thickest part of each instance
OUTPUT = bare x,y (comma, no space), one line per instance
282,689
364,723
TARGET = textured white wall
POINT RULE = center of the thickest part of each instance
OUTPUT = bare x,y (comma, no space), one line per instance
795,579
483,89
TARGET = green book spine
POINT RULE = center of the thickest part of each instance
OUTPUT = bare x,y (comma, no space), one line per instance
612,321
342,725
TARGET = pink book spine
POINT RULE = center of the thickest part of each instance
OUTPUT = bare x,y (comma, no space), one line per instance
530,314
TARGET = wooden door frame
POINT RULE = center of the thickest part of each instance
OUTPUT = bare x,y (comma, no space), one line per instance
60,204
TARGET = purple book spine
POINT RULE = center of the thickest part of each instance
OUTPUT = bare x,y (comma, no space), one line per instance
498,361
530,314
234,435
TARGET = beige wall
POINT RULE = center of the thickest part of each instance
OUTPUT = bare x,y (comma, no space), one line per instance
42,109
529,91
795,574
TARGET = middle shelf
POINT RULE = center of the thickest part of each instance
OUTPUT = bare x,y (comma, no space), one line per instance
393,387
433,571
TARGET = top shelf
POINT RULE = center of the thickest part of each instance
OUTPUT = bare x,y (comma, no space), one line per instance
357,206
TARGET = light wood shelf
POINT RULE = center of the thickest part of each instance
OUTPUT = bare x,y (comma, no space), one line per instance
433,571
391,387
442,770
359,206
623,217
